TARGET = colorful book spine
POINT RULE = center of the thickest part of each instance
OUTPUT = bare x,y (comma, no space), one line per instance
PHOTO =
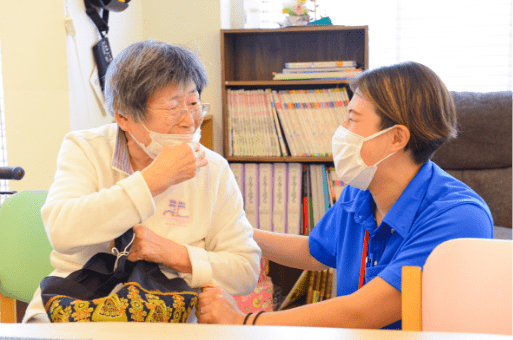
315,64
317,75
277,126
317,69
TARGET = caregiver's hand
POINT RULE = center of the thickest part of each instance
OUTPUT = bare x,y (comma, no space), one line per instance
217,306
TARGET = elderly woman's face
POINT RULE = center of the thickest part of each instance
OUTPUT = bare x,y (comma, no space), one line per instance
166,112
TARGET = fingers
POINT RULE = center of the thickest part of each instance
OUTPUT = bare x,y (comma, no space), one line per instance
112,244
199,154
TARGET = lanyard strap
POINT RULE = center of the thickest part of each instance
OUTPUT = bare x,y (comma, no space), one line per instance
101,23
364,259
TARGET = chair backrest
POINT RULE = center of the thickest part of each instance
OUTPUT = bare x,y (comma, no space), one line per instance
24,246
467,287
481,154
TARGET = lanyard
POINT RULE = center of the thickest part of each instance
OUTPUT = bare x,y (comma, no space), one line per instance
364,259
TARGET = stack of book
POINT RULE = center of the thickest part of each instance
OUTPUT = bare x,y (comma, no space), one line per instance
284,123
324,70
310,287
291,198
286,197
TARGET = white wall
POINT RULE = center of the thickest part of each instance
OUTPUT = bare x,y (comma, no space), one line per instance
33,44
39,59
125,28
195,25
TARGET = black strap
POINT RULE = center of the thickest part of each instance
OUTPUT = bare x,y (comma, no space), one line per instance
101,23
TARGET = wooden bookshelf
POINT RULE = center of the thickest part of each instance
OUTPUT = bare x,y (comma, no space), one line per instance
250,56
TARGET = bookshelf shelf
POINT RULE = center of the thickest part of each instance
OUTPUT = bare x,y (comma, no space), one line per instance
280,159
273,83
250,56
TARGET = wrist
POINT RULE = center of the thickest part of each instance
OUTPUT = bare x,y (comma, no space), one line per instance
151,181
178,258
245,318
251,318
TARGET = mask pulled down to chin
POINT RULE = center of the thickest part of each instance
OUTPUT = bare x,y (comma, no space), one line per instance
158,140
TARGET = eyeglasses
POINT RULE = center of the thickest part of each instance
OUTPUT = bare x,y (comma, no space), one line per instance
173,116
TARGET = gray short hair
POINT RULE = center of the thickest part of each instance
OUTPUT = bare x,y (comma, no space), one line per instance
145,67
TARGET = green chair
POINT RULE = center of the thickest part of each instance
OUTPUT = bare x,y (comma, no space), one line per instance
24,250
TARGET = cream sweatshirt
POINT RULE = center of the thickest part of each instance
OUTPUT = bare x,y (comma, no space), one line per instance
93,201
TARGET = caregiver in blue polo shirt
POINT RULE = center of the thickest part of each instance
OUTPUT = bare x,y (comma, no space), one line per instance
396,207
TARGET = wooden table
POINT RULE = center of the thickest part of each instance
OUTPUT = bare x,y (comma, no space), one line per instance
146,331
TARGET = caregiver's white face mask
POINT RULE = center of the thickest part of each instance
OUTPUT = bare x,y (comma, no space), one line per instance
348,161
158,140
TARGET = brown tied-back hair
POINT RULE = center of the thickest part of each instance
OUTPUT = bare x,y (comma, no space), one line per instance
412,95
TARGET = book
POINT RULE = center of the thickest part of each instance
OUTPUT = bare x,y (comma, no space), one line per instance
316,75
297,291
315,64
265,206
273,132
311,120
317,287
294,199
311,221
325,190
231,122
329,284
322,288
280,202
286,124
315,202
317,69
337,183
306,200
277,126
251,193
238,173
311,284
300,136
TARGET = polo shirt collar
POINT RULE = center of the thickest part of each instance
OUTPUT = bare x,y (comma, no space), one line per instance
121,156
400,217
362,205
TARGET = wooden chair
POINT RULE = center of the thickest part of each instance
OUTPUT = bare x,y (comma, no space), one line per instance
24,250
465,286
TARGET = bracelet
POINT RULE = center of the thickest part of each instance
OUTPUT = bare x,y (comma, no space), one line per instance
246,318
257,315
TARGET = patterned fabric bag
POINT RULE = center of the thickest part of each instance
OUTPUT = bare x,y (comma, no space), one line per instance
143,293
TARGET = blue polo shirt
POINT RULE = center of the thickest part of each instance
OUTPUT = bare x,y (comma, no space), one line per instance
434,207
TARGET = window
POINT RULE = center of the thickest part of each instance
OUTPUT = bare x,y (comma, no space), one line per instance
469,44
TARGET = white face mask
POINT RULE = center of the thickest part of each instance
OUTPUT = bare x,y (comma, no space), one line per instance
348,161
158,140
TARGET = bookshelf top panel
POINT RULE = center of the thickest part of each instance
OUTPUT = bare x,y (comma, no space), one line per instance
292,29
253,55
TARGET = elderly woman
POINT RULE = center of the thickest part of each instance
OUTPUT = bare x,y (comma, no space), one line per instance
148,171
396,207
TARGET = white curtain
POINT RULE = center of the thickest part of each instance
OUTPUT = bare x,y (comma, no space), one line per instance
469,44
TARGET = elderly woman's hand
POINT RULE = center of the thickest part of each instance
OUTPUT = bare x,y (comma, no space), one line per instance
174,165
154,248
217,306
